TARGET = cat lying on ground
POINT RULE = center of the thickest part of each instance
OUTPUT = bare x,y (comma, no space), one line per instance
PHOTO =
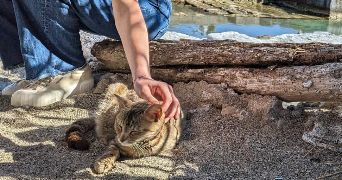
130,129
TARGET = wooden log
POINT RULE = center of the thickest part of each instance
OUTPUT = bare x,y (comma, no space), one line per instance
320,83
216,61
221,54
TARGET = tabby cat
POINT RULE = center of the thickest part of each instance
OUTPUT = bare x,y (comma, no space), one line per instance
130,129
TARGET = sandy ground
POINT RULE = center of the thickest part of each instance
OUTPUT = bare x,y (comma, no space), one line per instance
228,136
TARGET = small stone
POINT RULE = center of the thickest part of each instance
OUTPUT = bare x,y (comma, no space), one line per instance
307,84
179,14
228,110
201,15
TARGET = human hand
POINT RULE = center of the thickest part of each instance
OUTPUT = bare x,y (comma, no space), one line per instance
155,91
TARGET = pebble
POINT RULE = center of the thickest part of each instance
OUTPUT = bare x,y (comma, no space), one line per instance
307,84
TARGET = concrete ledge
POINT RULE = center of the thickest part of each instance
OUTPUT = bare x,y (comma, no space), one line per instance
333,8
317,8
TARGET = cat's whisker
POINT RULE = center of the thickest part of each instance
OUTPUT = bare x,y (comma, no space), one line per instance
137,149
127,119
142,150
146,147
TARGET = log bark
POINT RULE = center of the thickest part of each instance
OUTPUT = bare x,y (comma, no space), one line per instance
320,83
221,54
304,72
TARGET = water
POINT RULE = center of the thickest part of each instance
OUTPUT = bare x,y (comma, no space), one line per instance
200,26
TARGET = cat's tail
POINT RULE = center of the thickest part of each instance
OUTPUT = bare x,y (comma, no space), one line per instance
75,135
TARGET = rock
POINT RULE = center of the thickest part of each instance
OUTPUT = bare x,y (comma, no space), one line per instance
199,15
326,131
228,110
329,136
307,84
323,37
180,14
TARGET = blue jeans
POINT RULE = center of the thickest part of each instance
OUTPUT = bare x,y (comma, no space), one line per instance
44,35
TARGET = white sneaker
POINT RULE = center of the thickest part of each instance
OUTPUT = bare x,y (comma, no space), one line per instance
10,89
49,90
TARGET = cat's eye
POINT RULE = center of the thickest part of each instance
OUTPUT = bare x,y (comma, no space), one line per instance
147,130
120,128
134,132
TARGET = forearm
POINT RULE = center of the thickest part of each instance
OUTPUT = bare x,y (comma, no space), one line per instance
134,36
132,29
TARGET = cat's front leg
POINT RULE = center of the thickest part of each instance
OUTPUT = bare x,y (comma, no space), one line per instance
106,161
103,140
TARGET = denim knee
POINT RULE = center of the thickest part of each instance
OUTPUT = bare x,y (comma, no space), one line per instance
157,15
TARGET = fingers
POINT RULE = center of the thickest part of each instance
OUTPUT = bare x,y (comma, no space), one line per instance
173,110
177,113
149,97
167,97
144,91
151,90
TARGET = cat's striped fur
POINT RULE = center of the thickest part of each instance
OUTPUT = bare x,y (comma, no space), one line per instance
131,129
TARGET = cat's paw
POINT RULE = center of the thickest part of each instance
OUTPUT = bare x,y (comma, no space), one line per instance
103,165
76,141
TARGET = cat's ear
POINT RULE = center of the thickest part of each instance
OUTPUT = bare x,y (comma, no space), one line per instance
123,102
154,112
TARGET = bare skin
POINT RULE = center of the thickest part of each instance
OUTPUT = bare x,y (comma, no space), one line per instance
134,36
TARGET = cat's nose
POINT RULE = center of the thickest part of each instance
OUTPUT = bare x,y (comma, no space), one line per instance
122,138
125,142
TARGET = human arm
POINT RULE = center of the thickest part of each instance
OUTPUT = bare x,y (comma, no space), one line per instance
132,29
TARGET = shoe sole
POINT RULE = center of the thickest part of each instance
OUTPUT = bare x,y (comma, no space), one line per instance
32,98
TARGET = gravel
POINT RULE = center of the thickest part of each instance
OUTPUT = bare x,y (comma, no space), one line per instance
217,143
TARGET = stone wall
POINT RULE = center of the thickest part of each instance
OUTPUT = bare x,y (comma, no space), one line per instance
323,4
336,9
322,8
333,7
